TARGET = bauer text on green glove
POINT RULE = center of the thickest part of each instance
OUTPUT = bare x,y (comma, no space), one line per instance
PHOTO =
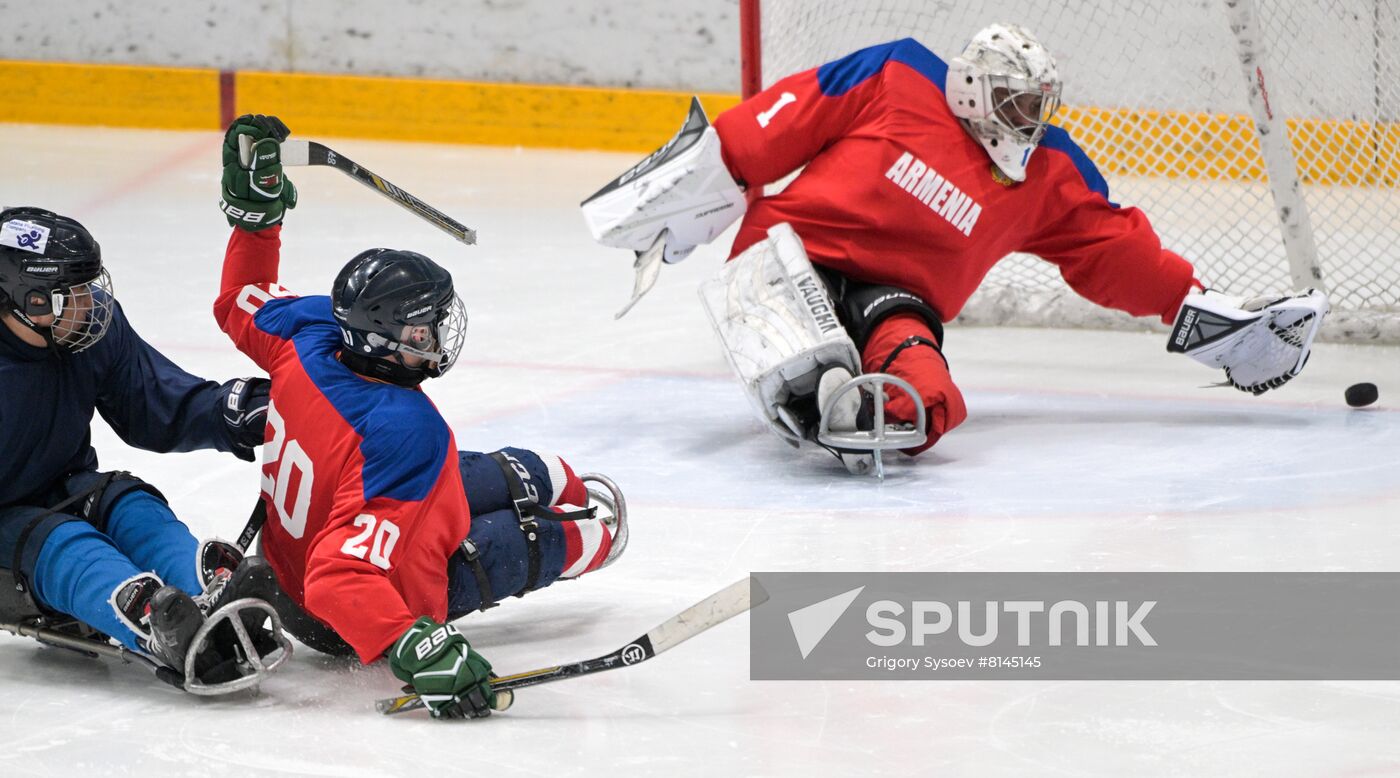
451,678
255,192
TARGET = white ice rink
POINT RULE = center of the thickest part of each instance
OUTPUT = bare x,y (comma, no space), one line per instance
1084,451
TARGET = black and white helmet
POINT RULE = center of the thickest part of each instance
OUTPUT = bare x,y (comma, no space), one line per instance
51,266
399,317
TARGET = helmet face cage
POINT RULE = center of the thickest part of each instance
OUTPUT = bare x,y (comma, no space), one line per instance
438,344
1021,107
451,335
83,313
399,316
1005,88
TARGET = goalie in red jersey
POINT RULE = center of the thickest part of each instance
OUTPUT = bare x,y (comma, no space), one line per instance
917,176
379,530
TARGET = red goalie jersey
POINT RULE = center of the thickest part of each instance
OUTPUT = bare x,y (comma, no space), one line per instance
896,191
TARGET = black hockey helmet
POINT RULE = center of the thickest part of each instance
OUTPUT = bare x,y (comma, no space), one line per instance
399,317
51,266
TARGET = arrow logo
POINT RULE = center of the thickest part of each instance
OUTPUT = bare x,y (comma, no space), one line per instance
810,624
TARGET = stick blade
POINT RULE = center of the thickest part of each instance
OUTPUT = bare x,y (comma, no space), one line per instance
723,605
648,267
294,152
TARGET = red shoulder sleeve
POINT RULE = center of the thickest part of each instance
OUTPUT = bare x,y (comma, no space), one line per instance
249,280
783,127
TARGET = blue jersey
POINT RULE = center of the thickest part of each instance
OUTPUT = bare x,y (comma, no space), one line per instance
47,400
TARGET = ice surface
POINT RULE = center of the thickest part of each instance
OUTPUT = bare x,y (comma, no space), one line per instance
1084,451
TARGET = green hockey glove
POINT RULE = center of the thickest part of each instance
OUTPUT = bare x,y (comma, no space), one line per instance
255,192
451,678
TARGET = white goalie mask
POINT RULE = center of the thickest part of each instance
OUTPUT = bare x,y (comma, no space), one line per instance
1005,89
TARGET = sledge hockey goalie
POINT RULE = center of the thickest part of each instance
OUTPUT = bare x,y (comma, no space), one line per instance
917,176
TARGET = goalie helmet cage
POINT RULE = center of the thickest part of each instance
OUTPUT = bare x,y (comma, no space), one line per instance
1171,101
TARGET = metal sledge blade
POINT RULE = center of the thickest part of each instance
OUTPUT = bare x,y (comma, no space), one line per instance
648,267
253,667
609,496
881,437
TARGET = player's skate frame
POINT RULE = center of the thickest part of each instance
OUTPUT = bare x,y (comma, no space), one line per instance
234,647
780,332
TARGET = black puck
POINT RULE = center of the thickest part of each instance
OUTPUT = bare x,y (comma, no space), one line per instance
1362,395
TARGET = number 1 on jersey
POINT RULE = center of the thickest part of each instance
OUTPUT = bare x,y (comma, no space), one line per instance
783,100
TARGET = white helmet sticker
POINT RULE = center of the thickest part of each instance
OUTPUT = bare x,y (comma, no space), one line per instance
24,235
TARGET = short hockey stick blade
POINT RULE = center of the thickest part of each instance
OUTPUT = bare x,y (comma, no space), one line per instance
719,607
648,267
305,152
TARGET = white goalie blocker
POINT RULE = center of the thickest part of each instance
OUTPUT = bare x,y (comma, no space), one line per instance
1261,343
779,331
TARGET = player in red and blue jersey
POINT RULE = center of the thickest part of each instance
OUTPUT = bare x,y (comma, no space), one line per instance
379,530
917,176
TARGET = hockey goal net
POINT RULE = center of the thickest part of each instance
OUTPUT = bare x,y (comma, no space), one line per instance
1157,95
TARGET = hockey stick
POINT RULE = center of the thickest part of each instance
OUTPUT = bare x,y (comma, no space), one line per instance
309,152
718,607
648,267
92,648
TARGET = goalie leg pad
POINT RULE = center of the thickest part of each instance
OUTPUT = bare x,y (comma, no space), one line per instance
778,327
906,347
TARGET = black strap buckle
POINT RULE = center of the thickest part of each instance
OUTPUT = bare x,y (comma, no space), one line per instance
483,584
526,512
912,340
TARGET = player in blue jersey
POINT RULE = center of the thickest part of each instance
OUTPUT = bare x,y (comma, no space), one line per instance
102,547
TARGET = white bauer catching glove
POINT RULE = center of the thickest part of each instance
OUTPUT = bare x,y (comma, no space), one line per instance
1261,342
